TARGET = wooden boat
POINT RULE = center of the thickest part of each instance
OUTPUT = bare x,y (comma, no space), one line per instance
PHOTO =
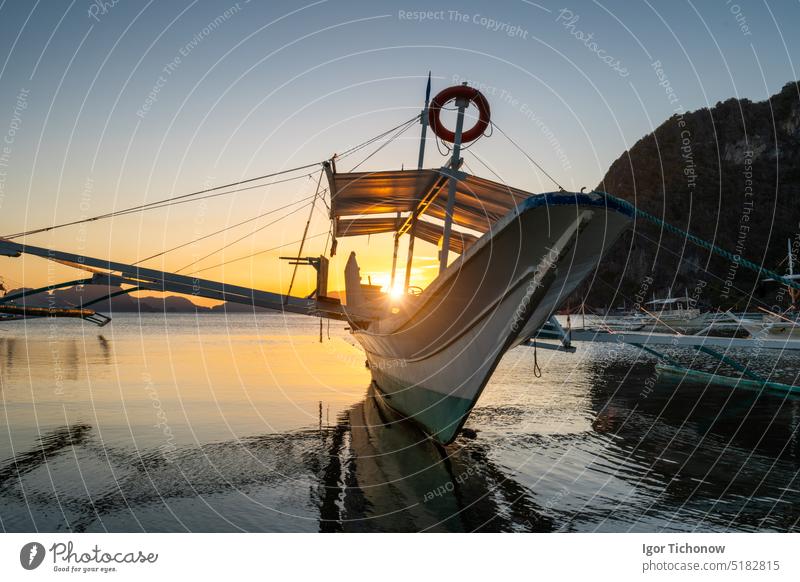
433,356
519,256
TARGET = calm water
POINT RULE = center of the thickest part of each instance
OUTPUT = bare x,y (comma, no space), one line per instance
214,423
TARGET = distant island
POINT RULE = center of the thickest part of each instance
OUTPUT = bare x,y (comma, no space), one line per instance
77,296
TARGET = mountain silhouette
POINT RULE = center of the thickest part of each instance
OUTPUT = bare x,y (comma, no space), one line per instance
729,174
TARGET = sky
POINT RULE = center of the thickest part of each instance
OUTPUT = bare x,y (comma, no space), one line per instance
110,104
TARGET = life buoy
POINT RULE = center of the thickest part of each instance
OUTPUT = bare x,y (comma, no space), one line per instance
471,95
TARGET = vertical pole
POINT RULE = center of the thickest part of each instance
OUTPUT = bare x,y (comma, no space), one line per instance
394,255
305,233
420,161
424,124
410,256
461,103
793,293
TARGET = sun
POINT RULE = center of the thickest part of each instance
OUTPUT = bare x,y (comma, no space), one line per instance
396,292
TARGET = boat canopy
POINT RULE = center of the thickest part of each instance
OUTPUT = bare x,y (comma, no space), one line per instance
479,203
427,231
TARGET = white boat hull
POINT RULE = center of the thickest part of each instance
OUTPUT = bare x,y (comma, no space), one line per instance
431,362
685,322
773,329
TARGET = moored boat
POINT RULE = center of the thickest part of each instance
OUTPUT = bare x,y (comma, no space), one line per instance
431,359
431,351
520,257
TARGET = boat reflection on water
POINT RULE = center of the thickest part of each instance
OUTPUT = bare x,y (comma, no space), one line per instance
653,456
385,474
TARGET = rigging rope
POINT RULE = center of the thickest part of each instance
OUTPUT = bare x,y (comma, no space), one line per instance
207,196
193,196
703,243
447,150
403,127
162,203
251,255
537,370
330,227
222,230
516,145
408,126
665,225
485,165
305,233
364,144
241,238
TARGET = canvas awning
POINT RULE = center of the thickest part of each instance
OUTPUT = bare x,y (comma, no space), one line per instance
360,193
427,231
364,226
432,233
479,203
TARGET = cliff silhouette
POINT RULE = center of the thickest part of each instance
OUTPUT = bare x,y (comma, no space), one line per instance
729,174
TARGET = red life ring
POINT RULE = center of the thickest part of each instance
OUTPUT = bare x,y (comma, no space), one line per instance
471,95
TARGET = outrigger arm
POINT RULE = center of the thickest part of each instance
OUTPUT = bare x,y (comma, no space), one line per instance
112,273
8,310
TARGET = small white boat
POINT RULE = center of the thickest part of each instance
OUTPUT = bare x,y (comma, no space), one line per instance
773,326
669,315
785,325
675,314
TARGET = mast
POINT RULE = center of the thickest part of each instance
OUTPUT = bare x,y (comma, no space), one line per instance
394,253
424,121
793,293
461,103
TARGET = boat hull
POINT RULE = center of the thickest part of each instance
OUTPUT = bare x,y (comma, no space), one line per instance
432,362
685,322
789,330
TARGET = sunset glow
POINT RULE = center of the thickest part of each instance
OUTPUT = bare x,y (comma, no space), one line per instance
346,266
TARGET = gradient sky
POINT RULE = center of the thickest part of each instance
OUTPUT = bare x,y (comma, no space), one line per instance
279,84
